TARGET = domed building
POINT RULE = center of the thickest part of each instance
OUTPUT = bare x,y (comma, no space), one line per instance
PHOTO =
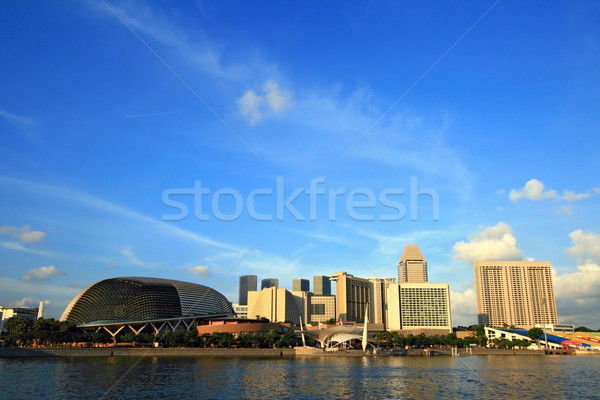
133,299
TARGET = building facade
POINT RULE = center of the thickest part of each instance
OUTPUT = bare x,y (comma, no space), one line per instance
379,300
303,304
275,304
21,312
321,285
423,307
412,267
301,285
248,283
241,311
352,296
322,308
515,293
268,283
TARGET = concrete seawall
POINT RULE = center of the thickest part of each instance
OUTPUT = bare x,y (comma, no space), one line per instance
143,352
199,352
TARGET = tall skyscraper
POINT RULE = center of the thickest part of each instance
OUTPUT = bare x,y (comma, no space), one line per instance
412,267
321,285
378,304
269,282
352,296
247,284
518,293
301,285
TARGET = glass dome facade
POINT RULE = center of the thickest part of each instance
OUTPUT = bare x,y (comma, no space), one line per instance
137,299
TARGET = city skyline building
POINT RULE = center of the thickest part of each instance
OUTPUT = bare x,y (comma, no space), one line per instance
412,267
274,303
322,308
420,307
378,304
352,295
515,293
269,282
303,300
248,283
302,285
321,285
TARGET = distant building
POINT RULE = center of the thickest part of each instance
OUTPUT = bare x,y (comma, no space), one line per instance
379,300
419,307
352,296
21,312
275,304
515,293
301,285
269,282
241,311
322,308
321,285
412,267
248,283
303,304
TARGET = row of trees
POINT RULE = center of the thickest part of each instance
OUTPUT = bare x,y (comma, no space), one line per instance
49,332
393,339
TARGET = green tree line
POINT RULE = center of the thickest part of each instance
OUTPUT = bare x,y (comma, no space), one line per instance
49,332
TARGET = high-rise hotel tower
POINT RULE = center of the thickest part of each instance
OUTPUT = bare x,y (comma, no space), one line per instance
515,293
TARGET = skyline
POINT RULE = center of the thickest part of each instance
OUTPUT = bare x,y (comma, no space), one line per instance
108,107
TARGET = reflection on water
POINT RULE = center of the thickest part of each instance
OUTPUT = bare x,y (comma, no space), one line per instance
540,377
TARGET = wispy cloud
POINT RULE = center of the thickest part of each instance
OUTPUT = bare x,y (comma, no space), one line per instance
131,257
24,124
194,48
41,274
20,247
111,208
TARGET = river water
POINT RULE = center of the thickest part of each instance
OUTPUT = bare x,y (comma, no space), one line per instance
481,377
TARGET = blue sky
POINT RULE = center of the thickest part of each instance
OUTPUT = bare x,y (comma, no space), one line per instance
469,129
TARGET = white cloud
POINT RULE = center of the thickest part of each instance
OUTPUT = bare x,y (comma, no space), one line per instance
464,308
24,233
492,243
249,106
583,284
586,246
41,274
256,107
533,190
280,101
25,302
201,270
577,295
